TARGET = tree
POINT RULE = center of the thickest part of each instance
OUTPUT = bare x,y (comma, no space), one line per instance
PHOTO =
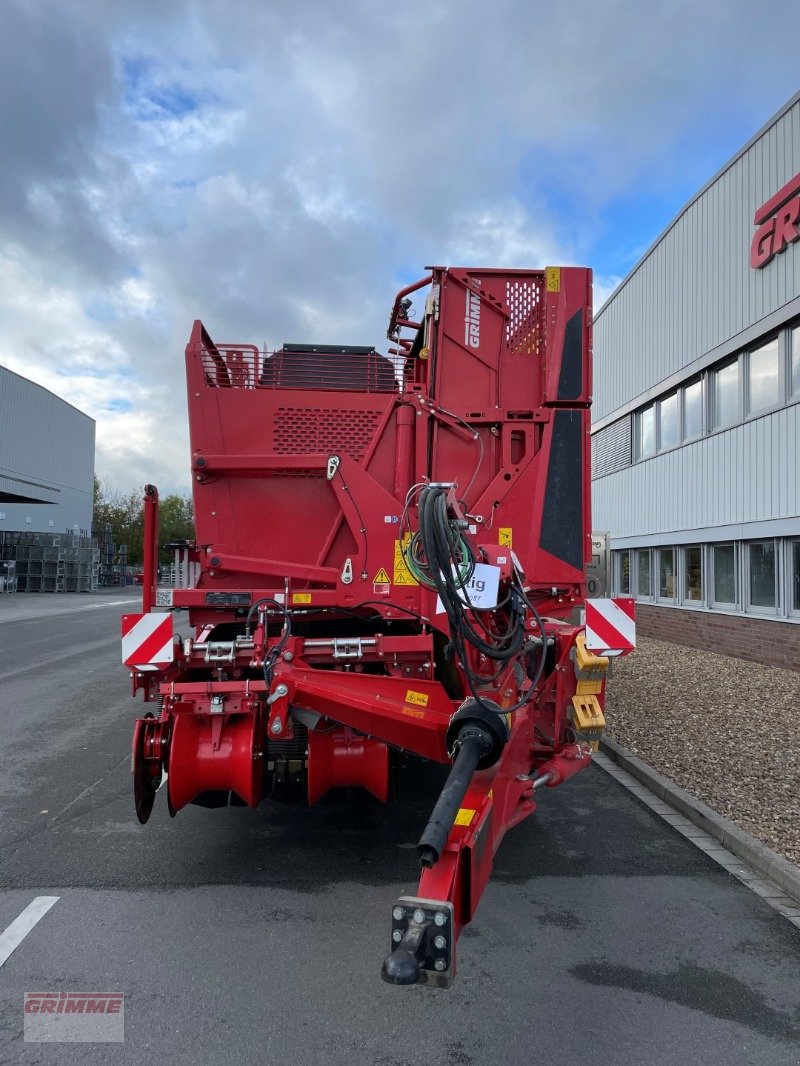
124,513
176,522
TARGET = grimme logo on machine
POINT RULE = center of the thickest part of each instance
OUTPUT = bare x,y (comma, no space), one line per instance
777,224
472,320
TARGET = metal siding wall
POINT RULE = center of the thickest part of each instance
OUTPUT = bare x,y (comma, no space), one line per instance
746,474
45,439
696,289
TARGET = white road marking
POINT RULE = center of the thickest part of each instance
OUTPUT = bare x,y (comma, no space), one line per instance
54,609
13,936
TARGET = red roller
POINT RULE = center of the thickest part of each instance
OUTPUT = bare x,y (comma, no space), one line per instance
342,759
209,755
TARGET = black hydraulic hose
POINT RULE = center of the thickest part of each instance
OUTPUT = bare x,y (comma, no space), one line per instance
471,750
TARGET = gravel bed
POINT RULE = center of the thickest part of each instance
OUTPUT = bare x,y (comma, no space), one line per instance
726,730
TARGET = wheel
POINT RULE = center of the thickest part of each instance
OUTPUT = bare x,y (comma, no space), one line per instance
146,772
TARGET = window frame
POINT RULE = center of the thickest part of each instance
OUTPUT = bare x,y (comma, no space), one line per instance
685,438
711,580
639,455
617,572
676,395
793,386
684,572
744,375
715,426
792,572
638,594
748,606
675,584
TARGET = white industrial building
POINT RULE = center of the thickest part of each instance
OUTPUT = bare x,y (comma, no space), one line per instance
46,461
696,414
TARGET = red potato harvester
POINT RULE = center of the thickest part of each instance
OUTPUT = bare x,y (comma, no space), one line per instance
390,557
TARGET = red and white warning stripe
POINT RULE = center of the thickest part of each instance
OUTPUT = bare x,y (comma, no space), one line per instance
147,640
611,625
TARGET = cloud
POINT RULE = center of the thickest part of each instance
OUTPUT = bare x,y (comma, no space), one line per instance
280,169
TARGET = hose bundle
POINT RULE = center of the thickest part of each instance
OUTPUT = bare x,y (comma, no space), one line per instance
441,559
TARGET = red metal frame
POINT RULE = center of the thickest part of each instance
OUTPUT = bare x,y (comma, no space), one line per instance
300,494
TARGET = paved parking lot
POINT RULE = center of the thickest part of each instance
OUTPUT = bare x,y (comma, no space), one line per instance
258,936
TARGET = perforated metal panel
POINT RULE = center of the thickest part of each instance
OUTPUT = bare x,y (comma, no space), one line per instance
524,328
308,430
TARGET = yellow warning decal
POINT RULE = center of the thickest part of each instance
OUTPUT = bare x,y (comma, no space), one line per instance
505,536
552,279
419,699
301,597
412,712
402,575
381,578
464,816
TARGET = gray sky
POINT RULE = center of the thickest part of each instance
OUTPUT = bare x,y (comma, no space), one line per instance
280,169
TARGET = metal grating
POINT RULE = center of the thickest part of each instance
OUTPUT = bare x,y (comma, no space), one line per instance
611,448
305,430
524,328
229,366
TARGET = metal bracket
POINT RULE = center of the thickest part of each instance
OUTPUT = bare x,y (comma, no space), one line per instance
333,466
347,571
220,651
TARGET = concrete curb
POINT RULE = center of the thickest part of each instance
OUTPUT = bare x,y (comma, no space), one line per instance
745,846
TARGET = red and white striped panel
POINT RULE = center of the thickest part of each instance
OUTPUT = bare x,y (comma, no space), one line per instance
147,640
611,625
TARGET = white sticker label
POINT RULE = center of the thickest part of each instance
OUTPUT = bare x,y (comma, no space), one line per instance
163,597
481,590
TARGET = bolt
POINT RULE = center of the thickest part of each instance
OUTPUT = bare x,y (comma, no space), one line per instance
287,656
276,726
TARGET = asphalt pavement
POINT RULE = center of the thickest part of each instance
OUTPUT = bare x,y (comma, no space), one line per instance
243,936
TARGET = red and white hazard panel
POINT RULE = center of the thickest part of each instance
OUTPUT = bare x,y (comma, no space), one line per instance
147,640
611,625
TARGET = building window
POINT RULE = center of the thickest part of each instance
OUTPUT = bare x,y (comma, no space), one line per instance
646,432
763,378
795,375
762,573
693,410
724,566
668,422
726,395
623,573
693,573
794,549
666,573
643,586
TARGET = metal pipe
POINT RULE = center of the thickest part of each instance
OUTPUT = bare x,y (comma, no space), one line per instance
404,450
150,571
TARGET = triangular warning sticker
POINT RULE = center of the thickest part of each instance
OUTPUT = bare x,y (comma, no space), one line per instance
381,578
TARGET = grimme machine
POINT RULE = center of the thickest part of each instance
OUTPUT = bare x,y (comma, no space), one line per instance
389,559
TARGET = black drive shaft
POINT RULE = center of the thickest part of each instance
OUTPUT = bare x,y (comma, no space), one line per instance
473,744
